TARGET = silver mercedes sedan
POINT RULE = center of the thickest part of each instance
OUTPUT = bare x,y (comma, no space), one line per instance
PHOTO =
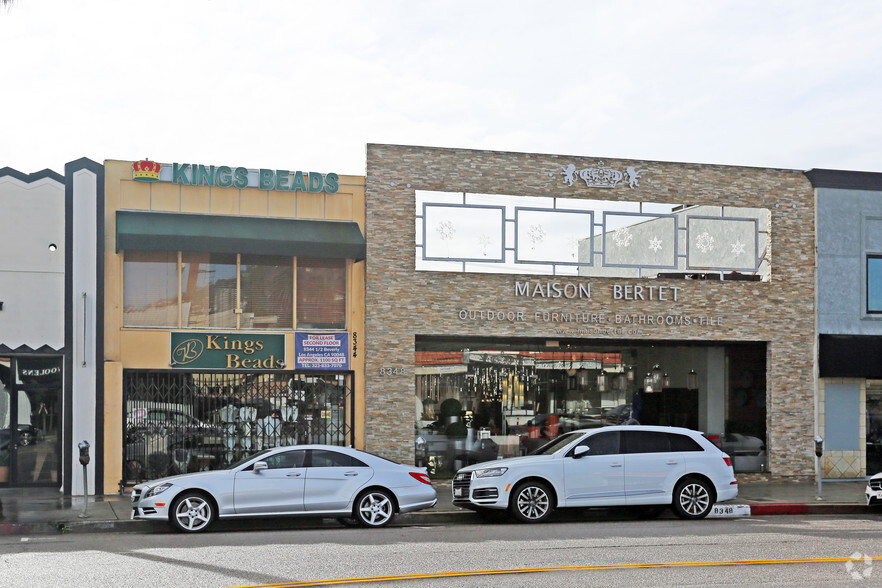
301,480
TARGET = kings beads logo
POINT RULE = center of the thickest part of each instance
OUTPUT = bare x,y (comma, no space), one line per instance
187,352
146,171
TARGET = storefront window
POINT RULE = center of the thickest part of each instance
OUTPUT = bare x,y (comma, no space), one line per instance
179,422
150,289
228,291
321,293
496,233
521,395
30,413
267,298
208,288
874,426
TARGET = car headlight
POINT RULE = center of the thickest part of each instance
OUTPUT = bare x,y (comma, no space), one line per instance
157,490
490,472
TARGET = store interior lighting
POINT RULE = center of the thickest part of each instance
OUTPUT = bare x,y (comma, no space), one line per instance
692,380
601,381
656,376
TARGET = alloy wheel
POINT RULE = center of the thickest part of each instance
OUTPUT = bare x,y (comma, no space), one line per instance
532,503
694,499
375,509
193,513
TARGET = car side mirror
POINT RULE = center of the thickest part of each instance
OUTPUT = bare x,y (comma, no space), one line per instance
260,466
580,451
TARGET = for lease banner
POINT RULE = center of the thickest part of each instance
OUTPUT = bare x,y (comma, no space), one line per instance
321,351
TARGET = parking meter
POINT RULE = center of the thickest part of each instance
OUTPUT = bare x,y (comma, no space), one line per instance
422,452
84,459
84,452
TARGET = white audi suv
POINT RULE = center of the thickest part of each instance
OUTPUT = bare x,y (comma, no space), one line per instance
626,465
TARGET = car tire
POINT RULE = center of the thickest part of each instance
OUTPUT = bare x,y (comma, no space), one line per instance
693,499
192,512
531,502
25,438
374,508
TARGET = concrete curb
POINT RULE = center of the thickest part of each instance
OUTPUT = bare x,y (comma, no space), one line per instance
409,519
423,518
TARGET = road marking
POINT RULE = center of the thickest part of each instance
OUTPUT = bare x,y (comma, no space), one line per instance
427,576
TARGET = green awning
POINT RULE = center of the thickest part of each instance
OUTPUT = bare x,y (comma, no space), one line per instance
165,231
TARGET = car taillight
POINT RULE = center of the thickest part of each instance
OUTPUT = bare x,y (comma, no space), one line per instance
728,460
421,477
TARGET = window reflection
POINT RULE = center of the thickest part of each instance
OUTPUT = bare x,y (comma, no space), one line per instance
321,293
514,234
150,289
208,288
267,297
521,396
229,291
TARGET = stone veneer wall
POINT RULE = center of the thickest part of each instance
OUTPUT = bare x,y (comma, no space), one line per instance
402,303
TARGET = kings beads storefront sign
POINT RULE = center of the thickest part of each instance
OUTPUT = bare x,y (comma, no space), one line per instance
227,351
223,176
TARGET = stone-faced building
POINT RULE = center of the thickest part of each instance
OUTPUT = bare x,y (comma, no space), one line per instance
529,294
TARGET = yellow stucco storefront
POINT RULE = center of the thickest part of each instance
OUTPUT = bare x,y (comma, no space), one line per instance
214,200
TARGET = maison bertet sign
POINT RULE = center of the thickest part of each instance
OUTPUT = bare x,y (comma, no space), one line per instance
587,321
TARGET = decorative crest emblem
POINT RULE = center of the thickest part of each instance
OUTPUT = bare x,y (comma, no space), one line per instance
600,176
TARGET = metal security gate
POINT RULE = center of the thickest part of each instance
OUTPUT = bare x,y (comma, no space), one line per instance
178,422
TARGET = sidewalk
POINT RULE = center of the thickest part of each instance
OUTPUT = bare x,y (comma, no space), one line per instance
41,510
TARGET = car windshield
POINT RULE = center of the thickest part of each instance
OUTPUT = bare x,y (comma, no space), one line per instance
557,444
233,466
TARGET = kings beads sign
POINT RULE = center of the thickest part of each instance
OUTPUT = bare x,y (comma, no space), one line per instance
223,176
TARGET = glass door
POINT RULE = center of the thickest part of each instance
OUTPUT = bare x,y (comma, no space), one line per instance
31,423
874,426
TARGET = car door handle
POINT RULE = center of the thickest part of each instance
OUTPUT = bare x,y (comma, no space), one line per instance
615,465
293,475
351,474
672,462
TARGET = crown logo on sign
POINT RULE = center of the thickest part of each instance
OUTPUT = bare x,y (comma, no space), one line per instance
595,177
146,171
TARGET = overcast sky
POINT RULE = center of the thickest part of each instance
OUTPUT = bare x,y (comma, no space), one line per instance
306,85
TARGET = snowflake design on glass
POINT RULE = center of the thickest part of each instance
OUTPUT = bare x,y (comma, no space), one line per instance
484,241
446,230
536,234
737,247
623,236
705,242
655,244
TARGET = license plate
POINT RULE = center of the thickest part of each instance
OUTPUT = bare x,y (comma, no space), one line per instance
730,510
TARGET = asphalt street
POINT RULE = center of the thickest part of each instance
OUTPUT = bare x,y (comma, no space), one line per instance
780,550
